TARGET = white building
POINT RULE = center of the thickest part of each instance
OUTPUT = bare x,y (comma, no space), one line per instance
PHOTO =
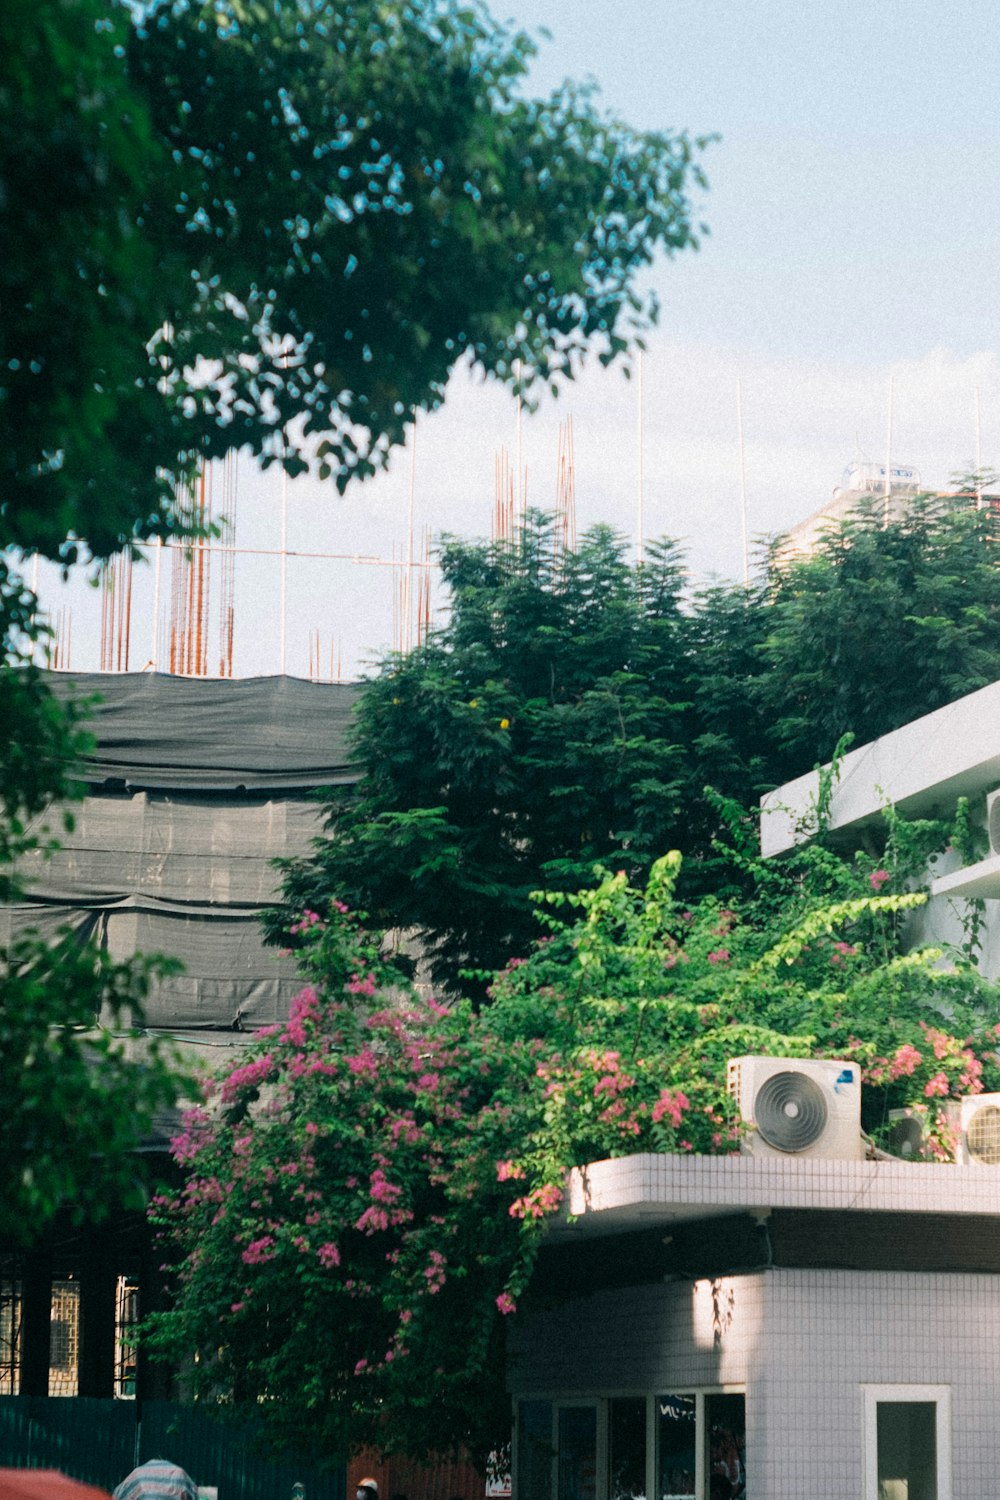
922,770
787,1327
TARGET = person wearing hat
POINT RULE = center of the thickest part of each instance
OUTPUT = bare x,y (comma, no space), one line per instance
367,1489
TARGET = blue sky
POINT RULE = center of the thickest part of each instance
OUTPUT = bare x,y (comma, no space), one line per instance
853,206
855,226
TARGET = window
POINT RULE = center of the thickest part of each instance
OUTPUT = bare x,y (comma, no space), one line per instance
907,1442
576,1452
676,1447
627,1448
687,1445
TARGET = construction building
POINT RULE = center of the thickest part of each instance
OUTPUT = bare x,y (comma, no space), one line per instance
194,787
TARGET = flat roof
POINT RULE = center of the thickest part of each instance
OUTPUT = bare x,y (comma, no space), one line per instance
632,1192
922,768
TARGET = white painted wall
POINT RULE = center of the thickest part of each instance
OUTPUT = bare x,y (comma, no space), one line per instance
804,1343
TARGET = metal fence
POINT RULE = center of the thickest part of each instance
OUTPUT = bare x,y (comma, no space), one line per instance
100,1441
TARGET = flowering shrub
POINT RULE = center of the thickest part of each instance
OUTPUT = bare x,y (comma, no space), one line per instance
367,1189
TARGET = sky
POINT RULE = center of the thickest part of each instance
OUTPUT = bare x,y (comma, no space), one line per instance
855,232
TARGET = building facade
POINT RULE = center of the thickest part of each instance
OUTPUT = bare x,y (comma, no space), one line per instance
762,1329
192,791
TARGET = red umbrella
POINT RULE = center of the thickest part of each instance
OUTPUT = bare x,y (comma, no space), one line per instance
45,1484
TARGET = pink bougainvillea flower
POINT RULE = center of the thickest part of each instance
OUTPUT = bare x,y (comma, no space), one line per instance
905,1060
259,1251
672,1104
877,879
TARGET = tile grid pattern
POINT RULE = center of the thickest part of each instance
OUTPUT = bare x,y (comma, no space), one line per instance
803,1343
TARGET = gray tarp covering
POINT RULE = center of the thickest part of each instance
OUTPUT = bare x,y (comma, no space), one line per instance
216,850
261,733
184,866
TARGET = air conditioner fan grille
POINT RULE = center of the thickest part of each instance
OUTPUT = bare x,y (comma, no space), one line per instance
982,1135
790,1111
906,1137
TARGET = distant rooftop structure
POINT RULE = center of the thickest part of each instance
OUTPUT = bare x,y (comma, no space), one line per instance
864,478
862,481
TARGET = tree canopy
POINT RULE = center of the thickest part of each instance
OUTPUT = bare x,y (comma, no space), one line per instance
279,227
539,731
574,707
881,624
366,1190
249,223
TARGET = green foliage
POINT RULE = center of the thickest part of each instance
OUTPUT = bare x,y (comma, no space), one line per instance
578,708
83,286
267,223
254,225
882,624
538,731
45,739
79,1089
343,1182
77,1099
368,1187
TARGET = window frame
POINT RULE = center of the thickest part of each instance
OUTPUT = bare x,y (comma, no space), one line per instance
872,1396
602,1399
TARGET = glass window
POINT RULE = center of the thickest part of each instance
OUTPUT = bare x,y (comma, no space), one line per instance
906,1441
627,1448
534,1450
725,1447
676,1447
679,1446
577,1453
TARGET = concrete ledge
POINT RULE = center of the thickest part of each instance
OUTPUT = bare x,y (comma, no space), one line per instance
626,1192
922,769
980,881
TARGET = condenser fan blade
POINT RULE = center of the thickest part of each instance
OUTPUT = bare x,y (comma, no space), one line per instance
790,1111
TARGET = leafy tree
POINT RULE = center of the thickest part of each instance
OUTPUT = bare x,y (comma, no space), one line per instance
77,1101
270,223
881,624
38,759
367,1190
540,730
577,707
261,224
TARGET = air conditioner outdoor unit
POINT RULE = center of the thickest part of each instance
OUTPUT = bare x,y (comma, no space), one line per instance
799,1106
993,820
907,1135
979,1141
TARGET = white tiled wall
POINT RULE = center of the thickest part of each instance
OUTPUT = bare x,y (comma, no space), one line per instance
803,1342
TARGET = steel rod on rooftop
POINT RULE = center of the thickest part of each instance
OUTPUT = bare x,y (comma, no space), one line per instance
888,451
408,588
156,603
284,566
743,483
640,498
521,492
